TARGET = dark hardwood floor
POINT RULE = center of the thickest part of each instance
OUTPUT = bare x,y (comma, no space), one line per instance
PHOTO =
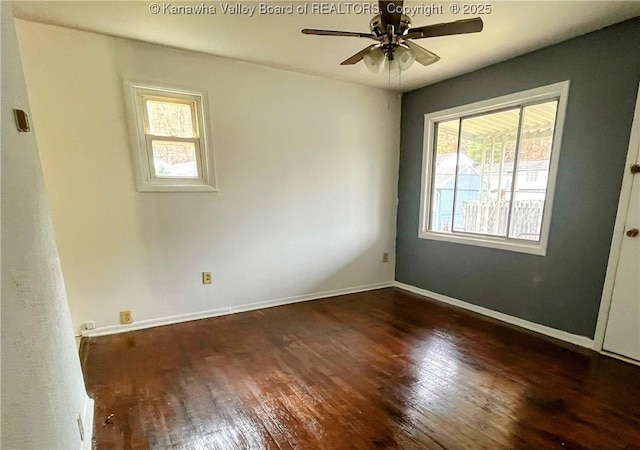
382,369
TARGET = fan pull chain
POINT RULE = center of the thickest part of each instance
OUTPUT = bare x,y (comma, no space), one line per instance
388,65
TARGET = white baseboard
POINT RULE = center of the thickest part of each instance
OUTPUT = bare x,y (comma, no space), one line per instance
620,357
87,423
150,323
582,341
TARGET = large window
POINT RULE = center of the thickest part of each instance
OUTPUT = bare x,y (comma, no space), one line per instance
171,152
489,170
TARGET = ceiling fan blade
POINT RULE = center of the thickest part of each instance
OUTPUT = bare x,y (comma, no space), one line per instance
423,56
357,57
390,12
446,29
338,33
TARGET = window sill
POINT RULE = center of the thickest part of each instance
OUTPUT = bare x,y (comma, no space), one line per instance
513,245
148,187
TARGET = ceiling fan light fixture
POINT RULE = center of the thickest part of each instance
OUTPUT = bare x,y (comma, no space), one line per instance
405,56
374,59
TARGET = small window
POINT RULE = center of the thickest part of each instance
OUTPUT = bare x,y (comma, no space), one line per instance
489,170
171,152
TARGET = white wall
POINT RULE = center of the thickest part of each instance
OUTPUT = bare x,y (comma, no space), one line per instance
307,177
42,386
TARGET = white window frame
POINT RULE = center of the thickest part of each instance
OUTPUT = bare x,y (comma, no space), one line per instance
559,91
146,179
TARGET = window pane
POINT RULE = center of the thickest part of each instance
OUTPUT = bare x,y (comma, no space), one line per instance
533,170
174,159
170,119
485,173
444,171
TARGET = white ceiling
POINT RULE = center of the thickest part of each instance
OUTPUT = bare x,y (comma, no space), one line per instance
512,28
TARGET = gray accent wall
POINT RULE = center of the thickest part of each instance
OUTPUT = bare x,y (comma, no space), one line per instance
562,289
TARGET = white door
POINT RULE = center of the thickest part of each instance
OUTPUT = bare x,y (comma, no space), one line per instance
623,327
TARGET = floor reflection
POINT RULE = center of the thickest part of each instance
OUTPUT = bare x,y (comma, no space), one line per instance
453,397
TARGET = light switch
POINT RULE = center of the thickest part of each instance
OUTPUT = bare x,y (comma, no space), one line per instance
22,120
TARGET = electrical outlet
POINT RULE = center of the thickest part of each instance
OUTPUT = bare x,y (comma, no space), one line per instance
206,278
385,257
90,325
80,427
125,317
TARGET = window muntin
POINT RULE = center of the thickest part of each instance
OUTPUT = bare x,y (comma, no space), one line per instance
478,186
172,153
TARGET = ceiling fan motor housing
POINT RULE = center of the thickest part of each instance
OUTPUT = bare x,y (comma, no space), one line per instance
377,26
405,24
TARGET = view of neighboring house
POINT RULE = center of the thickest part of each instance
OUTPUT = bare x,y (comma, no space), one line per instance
471,187
445,184
492,170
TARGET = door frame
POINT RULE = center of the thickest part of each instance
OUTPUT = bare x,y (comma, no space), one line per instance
618,230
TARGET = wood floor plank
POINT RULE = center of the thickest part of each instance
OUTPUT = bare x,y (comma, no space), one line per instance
381,369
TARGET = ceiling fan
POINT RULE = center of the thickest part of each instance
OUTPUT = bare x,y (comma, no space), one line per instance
394,34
